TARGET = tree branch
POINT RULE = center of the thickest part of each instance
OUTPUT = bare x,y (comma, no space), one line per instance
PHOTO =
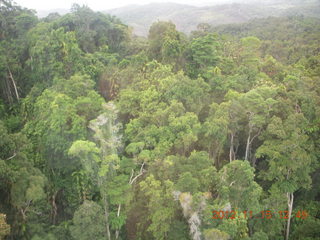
14,84
11,156
140,173
255,135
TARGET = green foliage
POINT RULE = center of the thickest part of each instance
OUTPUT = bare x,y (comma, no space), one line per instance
307,228
178,231
47,237
61,114
89,216
28,187
214,234
187,183
288,153
57,122
237,185
203,52
105,135
162,40
160,206
94,29
236,228
4,227
88,153
62,58
260,235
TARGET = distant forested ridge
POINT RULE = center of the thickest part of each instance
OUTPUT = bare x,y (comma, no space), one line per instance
106,135
187,18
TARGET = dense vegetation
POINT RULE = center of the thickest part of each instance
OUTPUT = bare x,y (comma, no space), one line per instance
104,135
187,17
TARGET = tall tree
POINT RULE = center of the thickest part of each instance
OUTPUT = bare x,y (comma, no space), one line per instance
160,206
289,158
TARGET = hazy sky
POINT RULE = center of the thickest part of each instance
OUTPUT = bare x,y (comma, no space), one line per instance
100,4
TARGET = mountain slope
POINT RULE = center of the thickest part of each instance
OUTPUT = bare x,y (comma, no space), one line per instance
186,17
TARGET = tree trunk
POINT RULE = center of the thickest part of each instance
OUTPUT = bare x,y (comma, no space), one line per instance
249,142
231,152
106,216
218,158
248,146
54,210
290,206
118,214
131,181
14,84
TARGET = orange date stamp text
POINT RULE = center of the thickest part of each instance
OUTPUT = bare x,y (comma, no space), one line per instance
266,214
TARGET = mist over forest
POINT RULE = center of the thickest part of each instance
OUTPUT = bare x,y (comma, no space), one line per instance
187,17
162,121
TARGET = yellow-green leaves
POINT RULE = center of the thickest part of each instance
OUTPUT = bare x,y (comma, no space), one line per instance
160,205
4,227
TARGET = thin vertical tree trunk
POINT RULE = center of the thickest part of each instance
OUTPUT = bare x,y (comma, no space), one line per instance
290,206
106,215
248,145
54,210
14,84
218,157
118,214
105,208
131,181
231,152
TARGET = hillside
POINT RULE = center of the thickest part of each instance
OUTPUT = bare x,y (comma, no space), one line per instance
187,17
